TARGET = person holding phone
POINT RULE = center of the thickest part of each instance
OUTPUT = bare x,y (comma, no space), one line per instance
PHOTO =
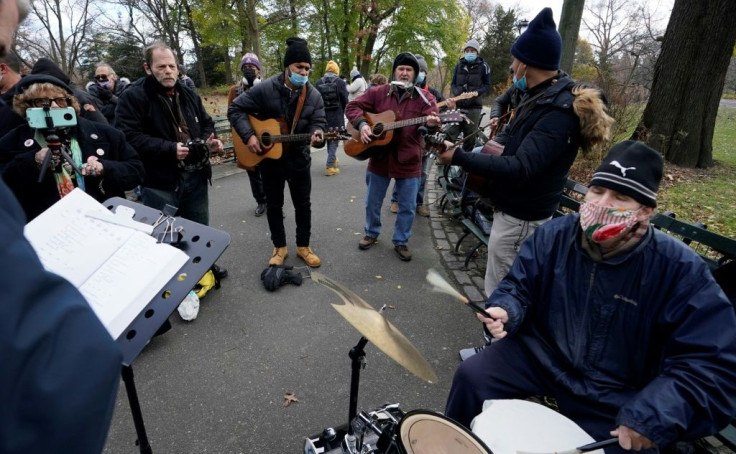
104,165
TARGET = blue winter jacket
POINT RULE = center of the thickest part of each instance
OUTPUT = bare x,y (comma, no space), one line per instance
648,335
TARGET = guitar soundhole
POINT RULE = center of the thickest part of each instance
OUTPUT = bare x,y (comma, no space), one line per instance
378,129
266,140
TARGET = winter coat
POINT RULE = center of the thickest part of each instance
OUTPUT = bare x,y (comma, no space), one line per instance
541,144
271,99
61,368
403,157
144,116
357,87
108,99
335,117
471,76
647,334
123,169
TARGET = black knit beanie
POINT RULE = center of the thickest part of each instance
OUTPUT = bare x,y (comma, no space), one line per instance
27,81
296,52
633,169
406,58
540,45
45,66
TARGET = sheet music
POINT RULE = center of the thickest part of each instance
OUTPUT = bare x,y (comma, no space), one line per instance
117,269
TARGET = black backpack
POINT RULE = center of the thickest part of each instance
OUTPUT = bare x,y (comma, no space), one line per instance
330,96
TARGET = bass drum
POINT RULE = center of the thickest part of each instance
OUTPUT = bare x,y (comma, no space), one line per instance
511,426
427,432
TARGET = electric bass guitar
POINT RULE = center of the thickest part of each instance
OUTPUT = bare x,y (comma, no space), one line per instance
460,97
382,126
273,135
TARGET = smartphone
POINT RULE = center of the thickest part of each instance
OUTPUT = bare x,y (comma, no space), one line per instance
41,118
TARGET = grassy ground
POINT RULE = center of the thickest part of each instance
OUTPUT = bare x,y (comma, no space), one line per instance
694,195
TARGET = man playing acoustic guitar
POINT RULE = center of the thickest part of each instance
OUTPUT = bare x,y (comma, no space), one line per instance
401,158
289,98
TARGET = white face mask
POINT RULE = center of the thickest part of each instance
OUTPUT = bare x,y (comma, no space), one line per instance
403,84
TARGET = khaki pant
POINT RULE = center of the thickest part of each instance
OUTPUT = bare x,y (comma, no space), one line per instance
507,234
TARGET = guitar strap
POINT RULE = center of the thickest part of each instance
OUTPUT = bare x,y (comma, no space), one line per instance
300,104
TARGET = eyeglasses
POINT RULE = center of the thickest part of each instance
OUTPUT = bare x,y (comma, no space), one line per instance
42,102
101,78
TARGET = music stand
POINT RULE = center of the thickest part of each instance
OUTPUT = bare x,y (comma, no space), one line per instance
203,245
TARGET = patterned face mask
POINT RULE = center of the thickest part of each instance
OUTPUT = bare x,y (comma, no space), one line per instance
606,223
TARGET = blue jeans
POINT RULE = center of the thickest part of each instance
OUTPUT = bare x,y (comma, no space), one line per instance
407,198
331,153
426,162
190,198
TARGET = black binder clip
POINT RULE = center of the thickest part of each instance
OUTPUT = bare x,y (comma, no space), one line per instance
172,234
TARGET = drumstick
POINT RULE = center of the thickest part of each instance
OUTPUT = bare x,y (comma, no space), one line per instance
586,448
440,285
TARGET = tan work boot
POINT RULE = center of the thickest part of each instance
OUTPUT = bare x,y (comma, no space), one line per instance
309,257
394,207
423,211
278,256
337,162
329,171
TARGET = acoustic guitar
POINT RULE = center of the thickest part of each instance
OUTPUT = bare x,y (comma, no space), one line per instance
272,133
460,97
382,126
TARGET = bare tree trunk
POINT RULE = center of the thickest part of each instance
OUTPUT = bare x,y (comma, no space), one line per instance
374,17
572,14
688,82
195,43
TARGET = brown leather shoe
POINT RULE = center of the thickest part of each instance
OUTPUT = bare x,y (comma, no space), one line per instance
403,252
367,242
423,211
278,256
309,257
394,207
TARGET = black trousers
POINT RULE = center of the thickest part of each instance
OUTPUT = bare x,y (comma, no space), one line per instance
293,168
256,185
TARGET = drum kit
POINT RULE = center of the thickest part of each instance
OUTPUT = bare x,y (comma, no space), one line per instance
504,426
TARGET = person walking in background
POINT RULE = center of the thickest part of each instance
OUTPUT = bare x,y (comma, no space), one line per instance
250,66
186,80
287,96
335,97
422,210
378,79
402,157
107,88
471,74
357,85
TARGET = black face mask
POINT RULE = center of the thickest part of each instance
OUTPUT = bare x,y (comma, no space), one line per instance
250,75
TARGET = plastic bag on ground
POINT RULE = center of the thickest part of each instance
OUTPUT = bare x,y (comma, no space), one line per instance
189,307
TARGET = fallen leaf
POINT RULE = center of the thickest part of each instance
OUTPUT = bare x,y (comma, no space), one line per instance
398,286
439,248
289,398
391,307
339,229
379,277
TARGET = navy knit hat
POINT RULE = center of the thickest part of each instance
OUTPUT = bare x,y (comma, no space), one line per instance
540,45
27,81
633,169
296,52
406,58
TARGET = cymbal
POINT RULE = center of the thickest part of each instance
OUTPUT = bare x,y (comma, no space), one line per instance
377,329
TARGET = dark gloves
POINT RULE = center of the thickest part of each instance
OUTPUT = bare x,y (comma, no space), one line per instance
104,94
274,277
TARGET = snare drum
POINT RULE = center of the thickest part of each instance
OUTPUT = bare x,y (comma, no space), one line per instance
424,432
512,426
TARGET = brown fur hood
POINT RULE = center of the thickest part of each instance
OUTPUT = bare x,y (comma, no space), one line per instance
595,123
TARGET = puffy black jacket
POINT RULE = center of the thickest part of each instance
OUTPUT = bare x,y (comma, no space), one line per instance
144,116
271,99
540,146
647,335
471,76
123,169
107,99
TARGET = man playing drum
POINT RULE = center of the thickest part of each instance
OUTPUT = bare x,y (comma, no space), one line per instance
622,324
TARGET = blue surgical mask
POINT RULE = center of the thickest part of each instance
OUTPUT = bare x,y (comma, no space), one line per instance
420,78
297,79
520,84
469,56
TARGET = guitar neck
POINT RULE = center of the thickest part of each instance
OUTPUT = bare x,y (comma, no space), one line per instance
291,137
404,123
